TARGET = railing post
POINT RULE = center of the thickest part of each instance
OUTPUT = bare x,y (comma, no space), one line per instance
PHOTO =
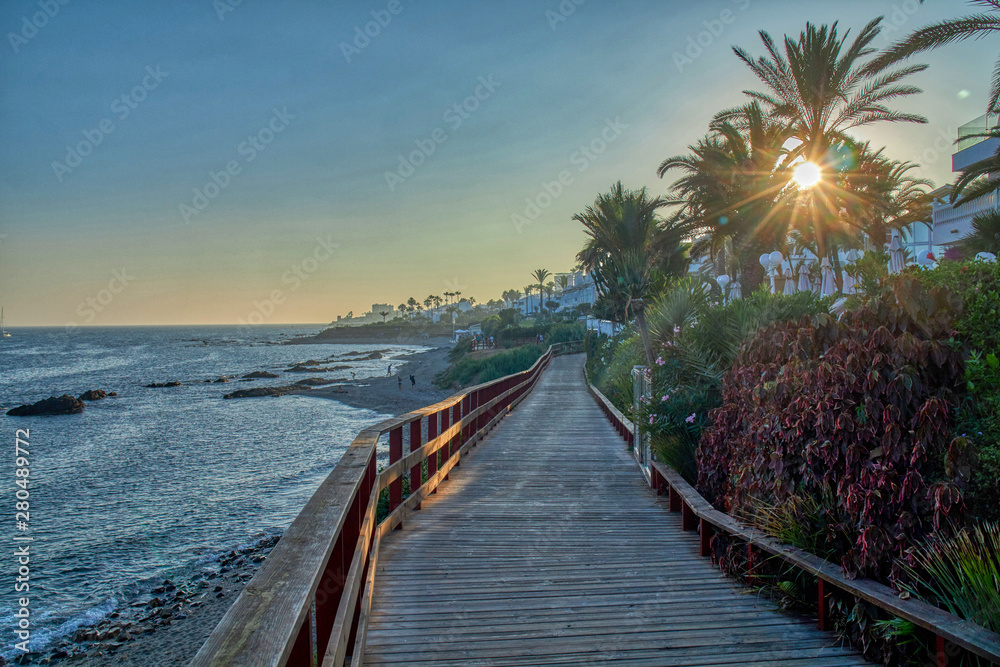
457,412
705,529
416,434
432,432
687,517
395,453
675,500
821,620
445,425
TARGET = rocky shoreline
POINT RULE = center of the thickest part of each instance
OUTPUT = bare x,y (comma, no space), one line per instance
165,624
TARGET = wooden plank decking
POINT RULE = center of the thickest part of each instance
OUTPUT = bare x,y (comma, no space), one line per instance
546,547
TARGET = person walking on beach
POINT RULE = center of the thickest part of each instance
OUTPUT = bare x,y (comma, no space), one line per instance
413,381
388,372
399,380
354,376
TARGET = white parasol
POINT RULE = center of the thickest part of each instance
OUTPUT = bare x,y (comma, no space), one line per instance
805,280
896,259
789,281
827,285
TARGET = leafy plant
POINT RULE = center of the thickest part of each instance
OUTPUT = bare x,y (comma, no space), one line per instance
863,405
960,574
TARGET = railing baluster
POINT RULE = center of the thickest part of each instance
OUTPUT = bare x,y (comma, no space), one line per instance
433,420
416,435
445,425
395,453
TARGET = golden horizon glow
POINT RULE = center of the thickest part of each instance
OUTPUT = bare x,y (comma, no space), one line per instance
807,174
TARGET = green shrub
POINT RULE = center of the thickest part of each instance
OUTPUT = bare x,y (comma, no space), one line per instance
977,283
697,343
468,370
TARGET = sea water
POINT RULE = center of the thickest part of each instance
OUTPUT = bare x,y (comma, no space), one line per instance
144,485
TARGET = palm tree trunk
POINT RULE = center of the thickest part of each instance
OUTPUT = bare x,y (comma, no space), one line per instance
640,319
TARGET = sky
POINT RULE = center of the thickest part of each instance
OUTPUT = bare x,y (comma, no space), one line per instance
224,161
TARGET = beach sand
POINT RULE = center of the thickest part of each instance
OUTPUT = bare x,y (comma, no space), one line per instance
383,394
155,637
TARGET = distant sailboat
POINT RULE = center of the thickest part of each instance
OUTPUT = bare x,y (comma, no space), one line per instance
3,331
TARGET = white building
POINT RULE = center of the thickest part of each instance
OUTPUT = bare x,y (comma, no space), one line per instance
951,224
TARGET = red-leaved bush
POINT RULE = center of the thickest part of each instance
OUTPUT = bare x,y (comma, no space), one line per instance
855,413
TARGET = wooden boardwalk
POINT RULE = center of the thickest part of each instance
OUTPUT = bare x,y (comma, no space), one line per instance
546,547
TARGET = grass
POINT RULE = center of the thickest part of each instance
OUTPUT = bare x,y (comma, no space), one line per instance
961,574
470,369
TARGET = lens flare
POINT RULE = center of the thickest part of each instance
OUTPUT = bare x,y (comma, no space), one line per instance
807,175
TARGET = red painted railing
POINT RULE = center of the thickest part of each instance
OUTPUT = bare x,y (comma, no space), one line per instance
953,634
310,600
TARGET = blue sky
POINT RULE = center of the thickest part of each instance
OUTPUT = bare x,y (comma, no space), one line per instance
329,130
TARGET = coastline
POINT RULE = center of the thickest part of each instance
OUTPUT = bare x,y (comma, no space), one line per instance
384,394
172,633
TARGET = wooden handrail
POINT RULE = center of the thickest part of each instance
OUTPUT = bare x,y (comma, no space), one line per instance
319,579
699,514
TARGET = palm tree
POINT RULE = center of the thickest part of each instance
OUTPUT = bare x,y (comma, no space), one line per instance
985,236
527,298
974,26
540,275
515,296
625,249
563,281
384,314
428,301
401,308
437,301
821,85
730,188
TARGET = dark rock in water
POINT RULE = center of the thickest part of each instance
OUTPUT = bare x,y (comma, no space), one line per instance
159,385
61,405
301,368
315,382
112,393
374,355
222,379
95,395
259,375
266,391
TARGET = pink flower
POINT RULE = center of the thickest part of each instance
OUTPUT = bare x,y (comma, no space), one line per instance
666,397
690,418
652,418
660,361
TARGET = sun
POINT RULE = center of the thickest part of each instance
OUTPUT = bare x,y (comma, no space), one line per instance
807,175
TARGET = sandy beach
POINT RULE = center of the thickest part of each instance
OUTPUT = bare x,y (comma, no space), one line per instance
386,394
171,629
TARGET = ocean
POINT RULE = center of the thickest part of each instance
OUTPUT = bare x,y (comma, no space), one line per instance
154,483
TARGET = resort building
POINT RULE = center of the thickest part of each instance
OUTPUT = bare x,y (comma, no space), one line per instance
950,224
